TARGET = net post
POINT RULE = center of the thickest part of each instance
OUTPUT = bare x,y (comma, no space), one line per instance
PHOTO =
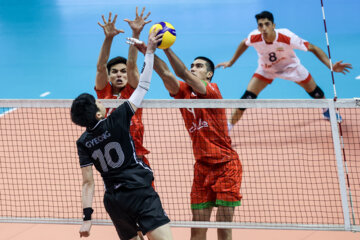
340,166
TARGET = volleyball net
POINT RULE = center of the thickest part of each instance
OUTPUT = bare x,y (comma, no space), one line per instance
299,170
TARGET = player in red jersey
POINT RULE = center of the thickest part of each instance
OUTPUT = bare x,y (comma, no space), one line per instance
118,78
217,170
277,59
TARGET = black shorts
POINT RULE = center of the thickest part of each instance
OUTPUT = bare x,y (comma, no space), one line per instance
133,210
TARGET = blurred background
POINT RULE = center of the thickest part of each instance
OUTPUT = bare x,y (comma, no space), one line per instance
49,48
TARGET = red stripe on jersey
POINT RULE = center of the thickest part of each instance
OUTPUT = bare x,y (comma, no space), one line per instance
255,38
306,45
283,38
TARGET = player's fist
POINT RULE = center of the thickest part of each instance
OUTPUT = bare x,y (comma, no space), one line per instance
85,229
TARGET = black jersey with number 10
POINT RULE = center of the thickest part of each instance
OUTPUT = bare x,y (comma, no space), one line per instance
109,147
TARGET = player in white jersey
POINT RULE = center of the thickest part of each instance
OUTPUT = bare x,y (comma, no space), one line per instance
277,59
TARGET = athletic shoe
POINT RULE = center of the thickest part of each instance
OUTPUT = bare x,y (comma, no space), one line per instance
326,116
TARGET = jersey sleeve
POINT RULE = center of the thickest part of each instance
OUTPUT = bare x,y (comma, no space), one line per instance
182,91
104,93
84,157
253,37
296,42
121,117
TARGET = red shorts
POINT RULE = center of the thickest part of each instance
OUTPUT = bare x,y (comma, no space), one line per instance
216,185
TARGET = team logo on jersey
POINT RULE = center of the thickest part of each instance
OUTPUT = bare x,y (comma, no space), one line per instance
193,94
198,126
280,49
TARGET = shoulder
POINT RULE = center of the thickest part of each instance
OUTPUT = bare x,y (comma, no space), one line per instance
285,32
254,36
82,138
106,92
212,91
284,35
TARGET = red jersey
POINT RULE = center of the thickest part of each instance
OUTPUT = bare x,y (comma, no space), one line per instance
136,125
207,126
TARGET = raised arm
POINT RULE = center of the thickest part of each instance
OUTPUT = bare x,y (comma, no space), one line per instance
88,187
239,51
145,78
321,55
161,68
136,26
170,81
182,72
110,32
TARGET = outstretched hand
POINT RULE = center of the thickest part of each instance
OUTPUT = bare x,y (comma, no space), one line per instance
153,41
138,24
342,67
224,65
109,26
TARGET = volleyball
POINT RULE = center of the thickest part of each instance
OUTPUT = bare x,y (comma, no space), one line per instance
169,36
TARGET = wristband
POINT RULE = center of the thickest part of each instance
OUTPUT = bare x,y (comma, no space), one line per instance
87,213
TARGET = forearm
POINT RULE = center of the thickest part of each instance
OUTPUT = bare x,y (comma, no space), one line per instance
168,78
320,54
101,73
239,51
144,83
104,52
178,66
131,64
87,194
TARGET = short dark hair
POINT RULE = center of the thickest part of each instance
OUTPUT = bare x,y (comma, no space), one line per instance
83,110
114,61
209,64
265,14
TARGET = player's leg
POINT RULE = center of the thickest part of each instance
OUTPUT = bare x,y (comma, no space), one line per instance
225,214
200,215
161,233
310,86
152,219
124,224
256,85
227,188
202,199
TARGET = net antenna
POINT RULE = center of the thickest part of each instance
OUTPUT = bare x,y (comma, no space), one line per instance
337,112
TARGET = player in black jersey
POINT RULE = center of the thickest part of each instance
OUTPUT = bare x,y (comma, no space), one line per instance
131,202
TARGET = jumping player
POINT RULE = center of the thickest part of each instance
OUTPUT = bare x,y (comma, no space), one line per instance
217,170
118,78
277,59
129,199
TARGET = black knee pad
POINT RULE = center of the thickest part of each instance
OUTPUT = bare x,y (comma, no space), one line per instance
317,93
248,95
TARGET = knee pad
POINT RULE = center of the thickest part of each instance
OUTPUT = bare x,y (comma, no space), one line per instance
248,95
317,93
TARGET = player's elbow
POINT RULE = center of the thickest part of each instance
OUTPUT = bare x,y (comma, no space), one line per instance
165,74
312,48
101,68
88,183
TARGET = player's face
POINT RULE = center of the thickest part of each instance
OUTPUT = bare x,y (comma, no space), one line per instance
198,68
266,27
118,75
101,108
